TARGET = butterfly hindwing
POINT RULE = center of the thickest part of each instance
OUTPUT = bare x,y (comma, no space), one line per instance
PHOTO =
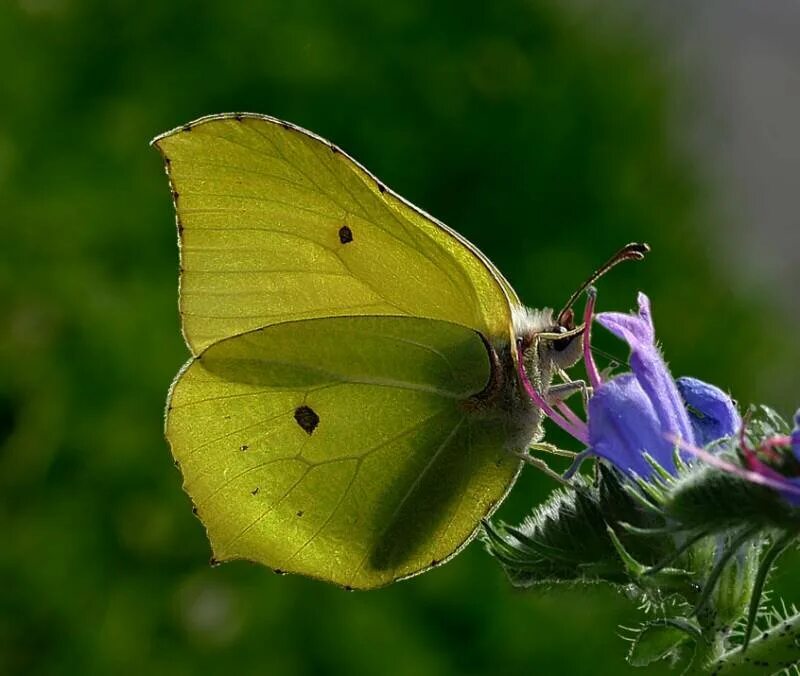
342,448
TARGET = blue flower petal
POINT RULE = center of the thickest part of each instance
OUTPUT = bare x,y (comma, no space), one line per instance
796,435
623,425
649,368
711,413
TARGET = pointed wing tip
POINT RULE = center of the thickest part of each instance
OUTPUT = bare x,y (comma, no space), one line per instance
218,117
157,141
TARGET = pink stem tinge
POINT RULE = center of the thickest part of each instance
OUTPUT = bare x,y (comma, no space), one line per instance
580,433
568,413
588,358
725,466
769,444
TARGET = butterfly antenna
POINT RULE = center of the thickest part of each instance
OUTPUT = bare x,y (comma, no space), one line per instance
607,355
630,252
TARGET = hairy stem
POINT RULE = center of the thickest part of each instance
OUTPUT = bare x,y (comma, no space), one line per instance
770,653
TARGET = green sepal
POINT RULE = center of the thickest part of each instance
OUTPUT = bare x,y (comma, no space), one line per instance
704,497
764,422
710,499
662,639
734,590
566,538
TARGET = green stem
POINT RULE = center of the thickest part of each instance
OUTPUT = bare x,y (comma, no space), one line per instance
778,547
716,572
708,651
770,653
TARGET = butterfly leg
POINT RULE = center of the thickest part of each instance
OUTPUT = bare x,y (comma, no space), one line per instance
561,392
544,447
541,465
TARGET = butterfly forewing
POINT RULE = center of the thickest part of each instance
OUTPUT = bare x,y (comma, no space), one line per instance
277,224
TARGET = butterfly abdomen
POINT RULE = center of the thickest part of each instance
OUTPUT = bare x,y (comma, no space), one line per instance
503,399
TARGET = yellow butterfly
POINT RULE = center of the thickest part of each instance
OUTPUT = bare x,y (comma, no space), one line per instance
351,409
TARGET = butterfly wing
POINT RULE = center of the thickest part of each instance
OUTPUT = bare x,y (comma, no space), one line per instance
277,224
349,449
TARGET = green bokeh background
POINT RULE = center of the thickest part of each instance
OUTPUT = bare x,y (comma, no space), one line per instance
542,134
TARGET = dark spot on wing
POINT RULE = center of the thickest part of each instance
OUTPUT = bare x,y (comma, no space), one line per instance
254,491
307,418
381,187
345,235
285,125
278,571
175,195
194,510
176,463
167,161
213,562
334,149
238,118
300,513
243,447
187,127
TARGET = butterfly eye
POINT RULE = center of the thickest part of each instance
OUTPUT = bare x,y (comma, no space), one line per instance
566,320
561,344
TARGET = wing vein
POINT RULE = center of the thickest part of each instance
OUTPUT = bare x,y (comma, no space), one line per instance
359,461
410,490
324,192
253,198
190,452
255,172
270,509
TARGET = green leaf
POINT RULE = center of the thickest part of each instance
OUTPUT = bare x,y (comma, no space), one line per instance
656,642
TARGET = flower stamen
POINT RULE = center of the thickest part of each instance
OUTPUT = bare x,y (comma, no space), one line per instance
588,358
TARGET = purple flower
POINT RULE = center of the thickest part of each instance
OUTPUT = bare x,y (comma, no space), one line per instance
649,368
711,412
795,437
644,411
624,424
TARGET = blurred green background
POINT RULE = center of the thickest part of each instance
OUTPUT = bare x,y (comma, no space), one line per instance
542,134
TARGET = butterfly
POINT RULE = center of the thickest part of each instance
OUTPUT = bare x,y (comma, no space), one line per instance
351,410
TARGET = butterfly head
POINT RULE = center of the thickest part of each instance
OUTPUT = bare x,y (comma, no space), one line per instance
566,350
547,343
